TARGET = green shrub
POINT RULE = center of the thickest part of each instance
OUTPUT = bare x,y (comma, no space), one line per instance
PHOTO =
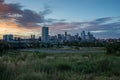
104,65
113,48
63,66
31,76
46,67
39,55
6,72
34,66
109,66
86,67
4,47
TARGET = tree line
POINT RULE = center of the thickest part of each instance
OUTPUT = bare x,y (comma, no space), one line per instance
111,48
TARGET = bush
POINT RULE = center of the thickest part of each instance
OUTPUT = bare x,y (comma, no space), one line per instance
105,65
46,67
31,76
86,67
4,47
39,55
63,66
113,48
6,72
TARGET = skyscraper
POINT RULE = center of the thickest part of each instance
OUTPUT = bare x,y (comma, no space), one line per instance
91,37
32,36
65,33
45,34
8,37
83,35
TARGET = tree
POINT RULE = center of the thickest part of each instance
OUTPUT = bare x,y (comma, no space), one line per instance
113,48
4,47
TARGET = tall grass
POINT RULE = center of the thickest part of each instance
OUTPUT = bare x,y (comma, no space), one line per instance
43,66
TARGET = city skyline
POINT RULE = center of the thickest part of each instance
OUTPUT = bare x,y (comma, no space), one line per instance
25,17
58,38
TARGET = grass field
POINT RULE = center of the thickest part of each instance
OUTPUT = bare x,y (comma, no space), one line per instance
61,66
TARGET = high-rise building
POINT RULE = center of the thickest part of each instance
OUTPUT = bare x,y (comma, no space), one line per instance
8,37
32,37
65,33
91,37
83,35
76,37
45,34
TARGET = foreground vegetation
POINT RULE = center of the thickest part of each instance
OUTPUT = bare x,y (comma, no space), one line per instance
18,65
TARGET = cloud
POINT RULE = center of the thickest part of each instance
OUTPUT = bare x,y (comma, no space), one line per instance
101,27
1,1
99,31
9,8
23,17
16,20
30,18
102,20
52,21
13,14
46,10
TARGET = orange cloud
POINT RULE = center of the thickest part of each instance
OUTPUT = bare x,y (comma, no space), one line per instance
10,27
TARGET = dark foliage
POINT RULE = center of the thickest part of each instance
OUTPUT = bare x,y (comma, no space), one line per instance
113,48
4,47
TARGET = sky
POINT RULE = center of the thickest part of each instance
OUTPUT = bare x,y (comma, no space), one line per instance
26,17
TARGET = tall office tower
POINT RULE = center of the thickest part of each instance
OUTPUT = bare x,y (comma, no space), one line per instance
32,36
45,34
91,37
76,37
59,36
65,33
83,35
8,37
